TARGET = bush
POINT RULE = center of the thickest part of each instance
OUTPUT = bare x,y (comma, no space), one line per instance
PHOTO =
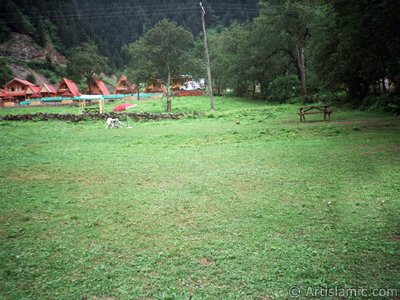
336,98
6,74
31,78
384,102
282,88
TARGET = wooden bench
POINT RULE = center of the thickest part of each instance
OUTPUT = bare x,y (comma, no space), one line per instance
90,109
314,109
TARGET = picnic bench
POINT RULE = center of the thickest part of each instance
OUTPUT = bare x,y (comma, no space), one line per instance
314,109
90,109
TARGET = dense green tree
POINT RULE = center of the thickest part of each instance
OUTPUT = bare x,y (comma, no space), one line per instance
5,31
291,20
31,78
162,52
84,63
15,18
6,74
357,46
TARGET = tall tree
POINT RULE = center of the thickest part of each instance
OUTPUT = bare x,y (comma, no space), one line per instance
163,52
291,20
85,62
357,45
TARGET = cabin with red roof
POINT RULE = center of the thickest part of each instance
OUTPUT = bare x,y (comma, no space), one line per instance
47,90
15,89
32,92
124,86
67,88
2,95
155,86
97,87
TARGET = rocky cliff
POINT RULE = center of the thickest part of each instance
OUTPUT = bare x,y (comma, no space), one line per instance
23,47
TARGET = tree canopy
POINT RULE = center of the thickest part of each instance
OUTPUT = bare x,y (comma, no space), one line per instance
85,63
162,52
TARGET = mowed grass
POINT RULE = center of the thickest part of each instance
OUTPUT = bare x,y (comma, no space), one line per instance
243,203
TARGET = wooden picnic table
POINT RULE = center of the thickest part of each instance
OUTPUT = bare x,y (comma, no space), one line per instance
314,109
90,109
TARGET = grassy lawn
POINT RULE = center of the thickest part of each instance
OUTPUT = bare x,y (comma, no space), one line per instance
243,203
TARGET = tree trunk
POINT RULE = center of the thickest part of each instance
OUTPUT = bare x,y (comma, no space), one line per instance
89,82
302,69
169,102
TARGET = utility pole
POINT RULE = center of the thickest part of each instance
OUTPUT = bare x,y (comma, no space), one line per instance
207,57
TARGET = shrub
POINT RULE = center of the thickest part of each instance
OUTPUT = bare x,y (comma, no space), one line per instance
6,74
31,78
282,88
383,102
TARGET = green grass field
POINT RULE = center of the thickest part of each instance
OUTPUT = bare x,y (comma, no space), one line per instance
243,203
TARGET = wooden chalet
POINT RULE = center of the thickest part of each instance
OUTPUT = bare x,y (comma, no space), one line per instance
15,90
47,90
2,95
32,92
124,86
155,86
67,88
97,87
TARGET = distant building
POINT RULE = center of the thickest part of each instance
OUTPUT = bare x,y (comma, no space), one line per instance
32,92
15,89
155,86
2,95
124,86
47,91
67,88
97,87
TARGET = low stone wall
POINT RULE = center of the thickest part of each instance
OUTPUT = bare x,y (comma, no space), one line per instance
91,116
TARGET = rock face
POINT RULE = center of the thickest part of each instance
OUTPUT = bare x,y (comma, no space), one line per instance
23,47
22,72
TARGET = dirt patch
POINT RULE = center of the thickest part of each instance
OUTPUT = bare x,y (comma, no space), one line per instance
206,261
29,176
395,238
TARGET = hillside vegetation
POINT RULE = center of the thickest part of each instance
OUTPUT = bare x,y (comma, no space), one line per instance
111,24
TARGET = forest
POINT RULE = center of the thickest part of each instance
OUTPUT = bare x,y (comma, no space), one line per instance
279,50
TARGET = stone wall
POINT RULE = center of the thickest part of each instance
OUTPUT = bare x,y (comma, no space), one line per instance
91,116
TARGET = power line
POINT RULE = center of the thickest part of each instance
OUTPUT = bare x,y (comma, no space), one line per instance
147,10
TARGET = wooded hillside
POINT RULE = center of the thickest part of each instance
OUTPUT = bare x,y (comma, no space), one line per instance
111,24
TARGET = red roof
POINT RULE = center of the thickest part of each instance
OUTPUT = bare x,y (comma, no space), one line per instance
71,86
124,85
49,88
2,93
102,87
24,82
34,88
